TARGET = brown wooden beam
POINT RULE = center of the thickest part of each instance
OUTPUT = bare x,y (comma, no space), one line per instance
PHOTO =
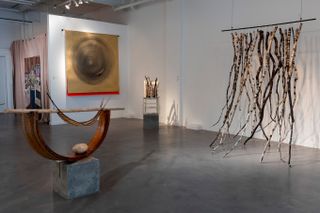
21,111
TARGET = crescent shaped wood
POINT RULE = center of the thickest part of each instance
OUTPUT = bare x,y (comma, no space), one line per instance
38,144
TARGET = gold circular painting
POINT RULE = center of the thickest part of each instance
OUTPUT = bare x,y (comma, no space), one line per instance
91,63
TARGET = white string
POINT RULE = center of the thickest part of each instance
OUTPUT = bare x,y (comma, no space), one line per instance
23,26
232,11
300,9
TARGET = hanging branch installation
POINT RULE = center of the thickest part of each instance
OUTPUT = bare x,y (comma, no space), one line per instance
262,84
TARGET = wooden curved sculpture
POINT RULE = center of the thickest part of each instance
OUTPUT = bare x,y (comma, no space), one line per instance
31,129
77,123
73,122
36,141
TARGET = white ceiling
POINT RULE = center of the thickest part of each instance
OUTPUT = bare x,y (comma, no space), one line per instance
27,5
102,10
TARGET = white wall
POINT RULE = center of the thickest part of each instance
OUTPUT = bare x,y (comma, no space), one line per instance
107,14
155,51
206,61
181,42
174,53
147,54
56,65
9,31
208,55
38,26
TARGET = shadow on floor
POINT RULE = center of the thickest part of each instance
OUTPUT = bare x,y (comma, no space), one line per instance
111,178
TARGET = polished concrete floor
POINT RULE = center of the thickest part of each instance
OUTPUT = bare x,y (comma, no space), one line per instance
170,170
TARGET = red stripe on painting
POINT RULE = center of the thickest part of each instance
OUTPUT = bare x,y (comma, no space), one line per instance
93,93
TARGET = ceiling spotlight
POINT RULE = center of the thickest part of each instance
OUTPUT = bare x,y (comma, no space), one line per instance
69,3
75,3
67,6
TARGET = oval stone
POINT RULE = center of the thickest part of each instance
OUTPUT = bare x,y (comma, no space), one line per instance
80,148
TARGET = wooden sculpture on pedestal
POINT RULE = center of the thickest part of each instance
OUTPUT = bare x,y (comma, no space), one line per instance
151,87
36,141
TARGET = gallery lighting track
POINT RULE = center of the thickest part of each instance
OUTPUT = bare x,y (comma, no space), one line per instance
68,4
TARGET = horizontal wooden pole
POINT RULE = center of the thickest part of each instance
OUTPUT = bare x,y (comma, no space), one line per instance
55,111
269,25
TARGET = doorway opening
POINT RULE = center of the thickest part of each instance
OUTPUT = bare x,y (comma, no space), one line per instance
6,83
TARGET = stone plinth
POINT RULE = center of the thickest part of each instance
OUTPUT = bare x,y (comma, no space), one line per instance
151,121
72,180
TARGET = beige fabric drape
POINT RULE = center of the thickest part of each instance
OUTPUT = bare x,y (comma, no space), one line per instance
20,50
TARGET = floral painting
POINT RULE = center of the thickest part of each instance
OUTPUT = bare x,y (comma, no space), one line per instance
32,82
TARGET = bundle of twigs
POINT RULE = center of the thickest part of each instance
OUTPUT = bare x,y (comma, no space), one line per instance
151,87
262,84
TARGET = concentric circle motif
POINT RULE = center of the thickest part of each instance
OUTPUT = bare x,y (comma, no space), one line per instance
92,60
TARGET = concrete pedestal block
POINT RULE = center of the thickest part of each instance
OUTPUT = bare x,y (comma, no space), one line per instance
151,121
72,180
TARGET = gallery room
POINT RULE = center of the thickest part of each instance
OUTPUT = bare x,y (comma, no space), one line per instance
159,106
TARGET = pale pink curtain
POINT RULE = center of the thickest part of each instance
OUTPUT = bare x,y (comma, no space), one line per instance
20,50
